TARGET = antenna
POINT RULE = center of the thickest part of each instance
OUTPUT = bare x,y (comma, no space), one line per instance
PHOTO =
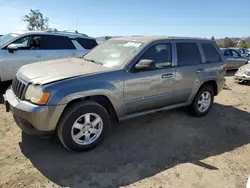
77,23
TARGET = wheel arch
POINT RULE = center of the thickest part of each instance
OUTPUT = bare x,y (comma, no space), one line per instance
103,100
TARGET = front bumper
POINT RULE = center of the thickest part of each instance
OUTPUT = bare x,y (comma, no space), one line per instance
31,118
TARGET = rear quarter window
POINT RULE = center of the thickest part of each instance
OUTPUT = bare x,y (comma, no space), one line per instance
87,43
210,52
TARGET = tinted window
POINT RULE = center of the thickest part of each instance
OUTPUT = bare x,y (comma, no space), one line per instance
188,54
226,53
211,53
235,53
161,55
87,43
50,42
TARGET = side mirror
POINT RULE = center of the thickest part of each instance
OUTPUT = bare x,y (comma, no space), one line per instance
12,48
144,64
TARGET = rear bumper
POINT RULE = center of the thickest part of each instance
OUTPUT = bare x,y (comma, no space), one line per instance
31,118
221,85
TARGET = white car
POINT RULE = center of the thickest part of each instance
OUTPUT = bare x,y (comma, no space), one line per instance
18,49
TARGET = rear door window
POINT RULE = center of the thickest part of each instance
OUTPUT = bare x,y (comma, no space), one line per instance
52,42
188,54
87,43
210,52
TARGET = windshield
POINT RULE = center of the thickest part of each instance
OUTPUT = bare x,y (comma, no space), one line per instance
113,52
5,38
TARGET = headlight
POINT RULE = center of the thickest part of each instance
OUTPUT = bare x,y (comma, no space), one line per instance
36,95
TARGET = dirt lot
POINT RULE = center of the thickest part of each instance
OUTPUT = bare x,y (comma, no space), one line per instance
167,149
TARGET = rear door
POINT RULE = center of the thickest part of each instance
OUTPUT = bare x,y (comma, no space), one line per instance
28,52
57,47
189,66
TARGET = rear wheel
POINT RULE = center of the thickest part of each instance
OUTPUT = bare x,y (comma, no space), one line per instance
203,101
83,126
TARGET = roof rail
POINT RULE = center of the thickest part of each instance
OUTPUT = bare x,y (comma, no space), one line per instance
74,32
65,31
71,31
51,30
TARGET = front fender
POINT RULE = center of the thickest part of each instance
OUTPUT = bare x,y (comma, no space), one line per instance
68,90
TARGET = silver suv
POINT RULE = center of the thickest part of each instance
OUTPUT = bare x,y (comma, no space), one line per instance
18,49
119,79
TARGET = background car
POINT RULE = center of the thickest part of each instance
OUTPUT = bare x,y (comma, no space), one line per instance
18,49
242,51
243,74
234,59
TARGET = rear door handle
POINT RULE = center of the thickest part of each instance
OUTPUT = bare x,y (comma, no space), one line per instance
199,70
170,75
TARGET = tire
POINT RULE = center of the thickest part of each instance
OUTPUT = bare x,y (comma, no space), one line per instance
4,86
196,107
70,127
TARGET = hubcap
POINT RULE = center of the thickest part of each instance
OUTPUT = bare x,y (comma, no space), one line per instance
204,101
87,129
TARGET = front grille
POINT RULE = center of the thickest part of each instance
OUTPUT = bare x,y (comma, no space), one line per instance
19,88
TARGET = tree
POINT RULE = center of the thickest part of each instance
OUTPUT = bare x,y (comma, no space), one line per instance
220,44
229,43
108,37
36,21
212,38
243,44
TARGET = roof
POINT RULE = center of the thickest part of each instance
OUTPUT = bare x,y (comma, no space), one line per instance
145,39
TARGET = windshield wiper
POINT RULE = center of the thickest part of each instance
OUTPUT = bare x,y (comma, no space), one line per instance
93,61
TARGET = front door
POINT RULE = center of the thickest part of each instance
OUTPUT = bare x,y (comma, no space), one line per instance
27,53
150,89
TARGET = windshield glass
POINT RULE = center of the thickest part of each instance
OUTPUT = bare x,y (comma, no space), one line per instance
113,52
5,38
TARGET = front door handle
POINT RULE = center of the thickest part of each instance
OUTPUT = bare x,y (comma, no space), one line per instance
199,70
170,75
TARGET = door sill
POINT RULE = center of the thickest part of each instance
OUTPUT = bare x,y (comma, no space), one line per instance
134,115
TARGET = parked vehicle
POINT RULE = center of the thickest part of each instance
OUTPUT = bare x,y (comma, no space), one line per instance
233,58
243,73
120,79
18,49
242,51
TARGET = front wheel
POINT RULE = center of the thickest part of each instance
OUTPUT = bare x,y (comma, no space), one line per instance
83,126
203,101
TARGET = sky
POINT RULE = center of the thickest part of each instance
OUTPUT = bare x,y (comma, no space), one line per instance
199,18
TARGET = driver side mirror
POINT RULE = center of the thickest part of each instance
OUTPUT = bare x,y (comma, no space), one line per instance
12,48
145,64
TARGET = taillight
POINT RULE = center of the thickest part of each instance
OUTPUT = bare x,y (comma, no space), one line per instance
225,68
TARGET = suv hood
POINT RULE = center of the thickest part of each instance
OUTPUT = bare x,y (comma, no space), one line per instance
50,71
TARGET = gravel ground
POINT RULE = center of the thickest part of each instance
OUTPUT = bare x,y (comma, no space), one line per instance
166,149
